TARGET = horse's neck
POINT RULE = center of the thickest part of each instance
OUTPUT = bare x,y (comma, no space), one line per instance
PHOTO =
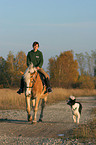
38,81
36,74
33,76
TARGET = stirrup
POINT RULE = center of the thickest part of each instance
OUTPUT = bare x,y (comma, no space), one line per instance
49,90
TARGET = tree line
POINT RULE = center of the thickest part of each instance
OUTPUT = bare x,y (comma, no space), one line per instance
10,69
73,71
66,70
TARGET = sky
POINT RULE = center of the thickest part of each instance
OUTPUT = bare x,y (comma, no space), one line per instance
58,26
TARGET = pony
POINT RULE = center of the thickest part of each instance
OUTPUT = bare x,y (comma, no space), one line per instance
35,91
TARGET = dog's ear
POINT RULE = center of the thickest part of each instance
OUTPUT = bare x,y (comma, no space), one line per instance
75,100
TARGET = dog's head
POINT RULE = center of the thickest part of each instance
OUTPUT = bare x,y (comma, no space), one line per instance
71,100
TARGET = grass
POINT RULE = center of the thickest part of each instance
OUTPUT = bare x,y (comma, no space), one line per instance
60,94
85,133
9,99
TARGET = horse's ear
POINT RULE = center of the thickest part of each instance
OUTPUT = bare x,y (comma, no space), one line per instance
35,68
31,64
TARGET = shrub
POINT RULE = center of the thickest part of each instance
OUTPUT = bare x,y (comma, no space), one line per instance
86,82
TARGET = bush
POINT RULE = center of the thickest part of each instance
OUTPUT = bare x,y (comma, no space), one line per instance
86,82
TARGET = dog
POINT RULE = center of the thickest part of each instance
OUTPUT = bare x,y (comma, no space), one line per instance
76,108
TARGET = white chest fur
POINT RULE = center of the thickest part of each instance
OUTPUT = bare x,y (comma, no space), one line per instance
75,109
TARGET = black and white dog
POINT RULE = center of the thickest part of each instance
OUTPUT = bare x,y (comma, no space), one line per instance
76,108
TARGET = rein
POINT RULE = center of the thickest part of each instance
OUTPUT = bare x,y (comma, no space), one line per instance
34,80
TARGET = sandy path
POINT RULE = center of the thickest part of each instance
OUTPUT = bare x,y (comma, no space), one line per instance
14,128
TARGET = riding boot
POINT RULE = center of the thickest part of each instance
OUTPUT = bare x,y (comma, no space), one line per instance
47,82
21,86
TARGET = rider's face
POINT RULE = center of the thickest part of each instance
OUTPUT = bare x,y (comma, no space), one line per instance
36,47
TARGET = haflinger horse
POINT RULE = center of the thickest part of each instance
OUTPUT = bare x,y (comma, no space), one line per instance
35,91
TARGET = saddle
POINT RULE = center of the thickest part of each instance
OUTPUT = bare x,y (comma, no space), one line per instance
42,78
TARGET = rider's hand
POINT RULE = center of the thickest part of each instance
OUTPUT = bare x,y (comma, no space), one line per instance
38,67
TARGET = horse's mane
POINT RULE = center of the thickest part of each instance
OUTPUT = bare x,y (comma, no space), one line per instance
31,69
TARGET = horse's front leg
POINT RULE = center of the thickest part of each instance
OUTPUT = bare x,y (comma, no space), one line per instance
29,117
35,109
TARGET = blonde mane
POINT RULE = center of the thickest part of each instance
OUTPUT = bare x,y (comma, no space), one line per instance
29,70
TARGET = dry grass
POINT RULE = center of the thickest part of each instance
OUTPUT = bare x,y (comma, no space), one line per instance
86,132
60,94
9,99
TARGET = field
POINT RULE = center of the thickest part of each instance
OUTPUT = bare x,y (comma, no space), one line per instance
9,99
85,132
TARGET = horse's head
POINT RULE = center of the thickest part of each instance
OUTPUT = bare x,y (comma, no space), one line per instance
30,70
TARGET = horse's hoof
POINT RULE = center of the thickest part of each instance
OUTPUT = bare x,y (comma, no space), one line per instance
29,118
40,120
34,122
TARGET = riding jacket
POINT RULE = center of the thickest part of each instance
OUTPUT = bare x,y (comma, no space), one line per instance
35,57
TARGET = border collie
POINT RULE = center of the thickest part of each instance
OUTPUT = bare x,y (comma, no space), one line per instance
76,108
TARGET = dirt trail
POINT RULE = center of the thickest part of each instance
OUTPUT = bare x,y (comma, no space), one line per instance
57,120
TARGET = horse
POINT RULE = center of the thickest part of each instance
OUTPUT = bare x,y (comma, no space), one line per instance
35,91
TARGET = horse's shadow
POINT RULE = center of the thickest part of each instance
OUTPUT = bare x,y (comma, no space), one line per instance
26,122
13,121
54,122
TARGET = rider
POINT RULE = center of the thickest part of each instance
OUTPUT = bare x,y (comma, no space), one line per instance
36,57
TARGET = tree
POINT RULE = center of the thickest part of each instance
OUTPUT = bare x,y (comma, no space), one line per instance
87,63
20,65
63,70
81,61
86,82
93,54
3,79
10,68
52,69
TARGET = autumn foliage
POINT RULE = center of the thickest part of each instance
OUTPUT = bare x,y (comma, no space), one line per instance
10,69
86,82
63,70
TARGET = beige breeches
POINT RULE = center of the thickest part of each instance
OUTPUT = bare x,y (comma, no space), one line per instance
41,70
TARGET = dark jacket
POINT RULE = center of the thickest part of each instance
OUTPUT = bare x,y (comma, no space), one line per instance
35,57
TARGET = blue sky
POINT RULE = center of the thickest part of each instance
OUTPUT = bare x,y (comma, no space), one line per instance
58,25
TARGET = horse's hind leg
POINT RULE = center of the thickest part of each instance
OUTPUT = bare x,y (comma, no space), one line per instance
29,117
42,108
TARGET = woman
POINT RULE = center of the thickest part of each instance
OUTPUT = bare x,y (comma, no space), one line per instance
35,56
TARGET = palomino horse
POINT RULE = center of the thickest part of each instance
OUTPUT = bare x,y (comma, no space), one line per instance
34,91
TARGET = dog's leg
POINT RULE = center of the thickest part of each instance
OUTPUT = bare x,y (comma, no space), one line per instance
74,118
78,118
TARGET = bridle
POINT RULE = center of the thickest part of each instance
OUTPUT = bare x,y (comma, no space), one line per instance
34,79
